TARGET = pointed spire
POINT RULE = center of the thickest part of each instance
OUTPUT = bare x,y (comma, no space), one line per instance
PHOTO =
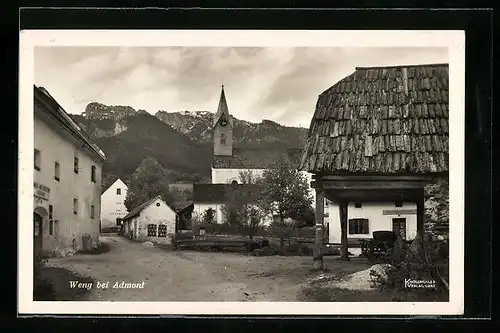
222,108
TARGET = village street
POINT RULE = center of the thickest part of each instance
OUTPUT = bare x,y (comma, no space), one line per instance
188,276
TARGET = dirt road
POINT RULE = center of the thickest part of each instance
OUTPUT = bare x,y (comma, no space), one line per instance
188,276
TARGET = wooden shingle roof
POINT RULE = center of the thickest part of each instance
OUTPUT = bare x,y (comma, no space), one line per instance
382,120
257,158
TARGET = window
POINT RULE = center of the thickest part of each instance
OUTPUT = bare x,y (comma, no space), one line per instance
162,230
118,191
38,160
357,205
118,222
151,230
93,174
75,206
92,211
399,204
157,204
57,171
358,226
51,220
223,139
76,163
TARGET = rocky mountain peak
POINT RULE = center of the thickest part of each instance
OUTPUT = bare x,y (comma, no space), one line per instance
96,110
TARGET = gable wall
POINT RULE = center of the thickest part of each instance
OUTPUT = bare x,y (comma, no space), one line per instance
113,205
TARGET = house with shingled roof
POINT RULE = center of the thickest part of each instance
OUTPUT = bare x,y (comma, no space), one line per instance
378,138
228,161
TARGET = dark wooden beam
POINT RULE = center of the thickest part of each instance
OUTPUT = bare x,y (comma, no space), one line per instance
368,184
420,215
356,178
344,250
320,216
338,195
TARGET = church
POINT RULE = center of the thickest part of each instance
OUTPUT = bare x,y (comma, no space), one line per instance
228,161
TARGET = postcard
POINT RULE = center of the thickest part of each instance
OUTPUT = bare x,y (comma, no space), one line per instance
241,172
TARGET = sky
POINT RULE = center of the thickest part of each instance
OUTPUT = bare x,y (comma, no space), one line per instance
278,84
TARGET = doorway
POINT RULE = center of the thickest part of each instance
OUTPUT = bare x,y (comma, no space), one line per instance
37,234
399,227
135,229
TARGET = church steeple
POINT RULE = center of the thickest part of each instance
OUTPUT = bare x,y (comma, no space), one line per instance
223,128
222,109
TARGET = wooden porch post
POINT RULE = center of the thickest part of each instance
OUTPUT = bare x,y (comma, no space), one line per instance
344,250
420,215
320,215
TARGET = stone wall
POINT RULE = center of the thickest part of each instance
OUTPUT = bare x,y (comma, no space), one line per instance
436,208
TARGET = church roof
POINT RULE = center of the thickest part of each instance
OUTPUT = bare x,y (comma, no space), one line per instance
257,158
217,193
382,120
222,109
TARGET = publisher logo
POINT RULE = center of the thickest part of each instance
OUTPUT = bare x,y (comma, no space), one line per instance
419,284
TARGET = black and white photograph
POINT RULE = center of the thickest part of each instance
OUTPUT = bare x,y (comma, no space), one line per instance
205,172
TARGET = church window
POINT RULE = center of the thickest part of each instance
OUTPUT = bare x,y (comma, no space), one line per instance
223,139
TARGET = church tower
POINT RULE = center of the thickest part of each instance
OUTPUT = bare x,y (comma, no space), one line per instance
223,128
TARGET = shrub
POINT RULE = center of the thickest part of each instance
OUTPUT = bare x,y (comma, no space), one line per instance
43,290
414,261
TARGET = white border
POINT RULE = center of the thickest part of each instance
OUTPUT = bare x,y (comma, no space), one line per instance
453,40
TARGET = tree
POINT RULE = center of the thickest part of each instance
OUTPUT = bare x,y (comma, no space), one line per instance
241,208
284,194
305,215
248,177
209,216
147,181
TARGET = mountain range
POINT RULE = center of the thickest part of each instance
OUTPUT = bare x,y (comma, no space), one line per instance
180,141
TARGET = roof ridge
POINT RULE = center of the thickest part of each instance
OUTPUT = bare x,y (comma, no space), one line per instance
401,66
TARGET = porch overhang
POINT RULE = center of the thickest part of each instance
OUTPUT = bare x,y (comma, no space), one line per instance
371,188
367,188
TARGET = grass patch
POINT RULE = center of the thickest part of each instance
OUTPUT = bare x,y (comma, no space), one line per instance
53,284
100,249
334,294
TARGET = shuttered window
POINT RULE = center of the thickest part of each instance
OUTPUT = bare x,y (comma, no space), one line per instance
38,160
93,174
151,230
162,230
76,164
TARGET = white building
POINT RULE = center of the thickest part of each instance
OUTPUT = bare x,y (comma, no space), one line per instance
113,205
153,220
364,218
67,181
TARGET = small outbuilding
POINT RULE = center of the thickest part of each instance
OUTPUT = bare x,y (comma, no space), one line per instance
153,220
378,135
